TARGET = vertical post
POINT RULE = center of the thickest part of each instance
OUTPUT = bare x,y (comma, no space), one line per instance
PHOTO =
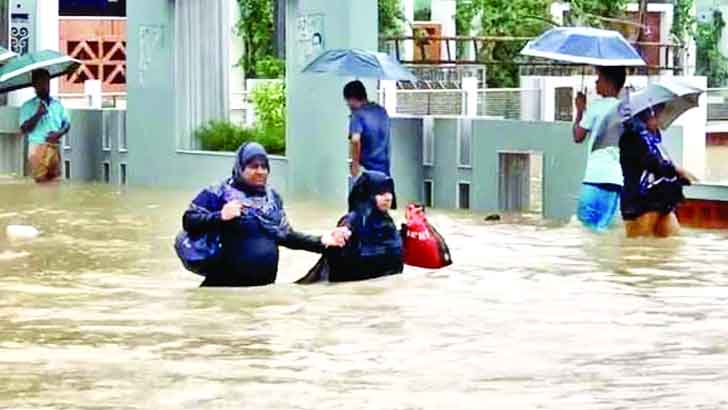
390,96
470,88
4,35
92,92
408,10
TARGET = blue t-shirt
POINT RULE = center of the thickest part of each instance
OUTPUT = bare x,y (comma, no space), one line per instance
54,120
604,123
372,122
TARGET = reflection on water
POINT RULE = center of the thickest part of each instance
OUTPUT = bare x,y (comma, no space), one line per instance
98,314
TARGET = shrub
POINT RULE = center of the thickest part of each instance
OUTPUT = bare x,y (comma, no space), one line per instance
270,67
270,105
226,136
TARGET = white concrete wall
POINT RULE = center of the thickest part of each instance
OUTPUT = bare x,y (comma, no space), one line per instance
443,12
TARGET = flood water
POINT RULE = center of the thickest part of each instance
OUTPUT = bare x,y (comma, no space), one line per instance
97,313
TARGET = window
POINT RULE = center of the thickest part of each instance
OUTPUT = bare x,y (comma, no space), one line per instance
122,174
464,195
429,193
428,141
107,172
67,169
464,141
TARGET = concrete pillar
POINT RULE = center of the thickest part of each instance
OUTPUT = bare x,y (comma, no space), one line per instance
317,123
443,12
92,93
390,96
470,87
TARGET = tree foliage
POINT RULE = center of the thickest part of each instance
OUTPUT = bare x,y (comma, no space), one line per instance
512,18
391,17
710,61
592,12
256,27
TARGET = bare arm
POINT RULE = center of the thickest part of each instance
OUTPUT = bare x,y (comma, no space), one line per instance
55,137
29,125
355,143
579,133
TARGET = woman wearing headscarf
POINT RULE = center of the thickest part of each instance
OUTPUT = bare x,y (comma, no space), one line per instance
653,184
251,222
374,248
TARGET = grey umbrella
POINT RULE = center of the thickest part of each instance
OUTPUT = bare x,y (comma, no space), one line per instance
678,98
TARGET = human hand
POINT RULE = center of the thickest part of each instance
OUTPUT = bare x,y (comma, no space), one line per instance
42,110
53,137
355,169
336,238
231,210
686,175
580,101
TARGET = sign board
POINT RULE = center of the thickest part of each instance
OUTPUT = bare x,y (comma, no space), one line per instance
309,37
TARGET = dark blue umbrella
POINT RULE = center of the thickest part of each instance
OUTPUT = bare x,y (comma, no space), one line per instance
584,45
360,64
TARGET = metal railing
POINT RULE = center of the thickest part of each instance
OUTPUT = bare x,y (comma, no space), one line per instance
510,103
717,104
469,50
431,102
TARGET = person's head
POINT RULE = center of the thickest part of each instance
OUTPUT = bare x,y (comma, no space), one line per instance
41,80
355,95
373,190
610,80
251,166
650,117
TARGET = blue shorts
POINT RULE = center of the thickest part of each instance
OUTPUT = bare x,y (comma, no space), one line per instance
597,206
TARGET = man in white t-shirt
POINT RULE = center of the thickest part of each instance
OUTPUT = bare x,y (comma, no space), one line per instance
601,125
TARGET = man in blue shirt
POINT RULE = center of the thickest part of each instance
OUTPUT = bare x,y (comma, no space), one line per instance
42,119
368,132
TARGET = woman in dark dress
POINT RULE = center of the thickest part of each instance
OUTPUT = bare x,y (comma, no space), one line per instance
374,248
251,222
652,182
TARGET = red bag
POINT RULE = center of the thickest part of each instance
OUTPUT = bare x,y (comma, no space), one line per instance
424,247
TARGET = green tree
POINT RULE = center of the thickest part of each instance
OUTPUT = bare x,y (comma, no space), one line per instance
504,18
391,17
710,61
596,13
256,27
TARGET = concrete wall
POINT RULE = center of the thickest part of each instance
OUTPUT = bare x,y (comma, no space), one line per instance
317,147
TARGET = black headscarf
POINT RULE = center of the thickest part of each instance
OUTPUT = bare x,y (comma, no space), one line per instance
247,153
366,187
